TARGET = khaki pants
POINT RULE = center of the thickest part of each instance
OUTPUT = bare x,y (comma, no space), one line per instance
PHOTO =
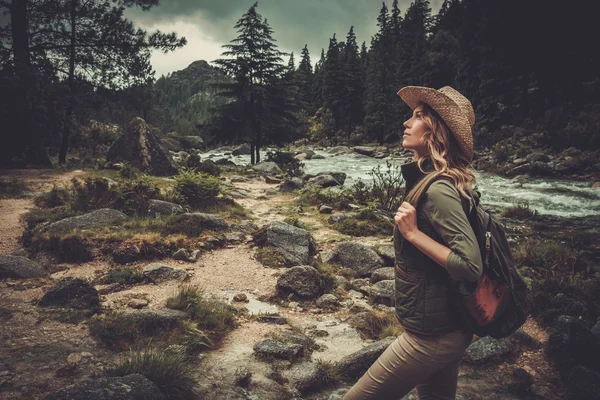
429,362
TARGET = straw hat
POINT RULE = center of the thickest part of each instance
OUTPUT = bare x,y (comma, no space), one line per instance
454,108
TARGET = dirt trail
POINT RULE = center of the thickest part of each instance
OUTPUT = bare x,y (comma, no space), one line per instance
38,181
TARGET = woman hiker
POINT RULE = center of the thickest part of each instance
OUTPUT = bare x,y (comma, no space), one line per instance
435,248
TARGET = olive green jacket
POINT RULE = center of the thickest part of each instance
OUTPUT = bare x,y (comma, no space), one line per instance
423,286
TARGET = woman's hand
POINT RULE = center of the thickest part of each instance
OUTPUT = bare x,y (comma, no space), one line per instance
406,220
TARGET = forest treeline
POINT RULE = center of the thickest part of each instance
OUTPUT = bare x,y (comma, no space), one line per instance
528,63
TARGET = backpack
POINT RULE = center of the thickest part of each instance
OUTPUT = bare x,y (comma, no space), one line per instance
499,303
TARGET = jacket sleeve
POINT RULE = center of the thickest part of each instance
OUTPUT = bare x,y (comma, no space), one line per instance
442,207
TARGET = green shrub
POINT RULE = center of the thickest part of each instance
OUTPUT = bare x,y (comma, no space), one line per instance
366,223
338,199
127,171
134,196
12,188
209,167
194,339
329,373
294,221
520,211
92,194
37,216
545,255
386,188
116,330
56,197
213,318
182,224
172,373
196,189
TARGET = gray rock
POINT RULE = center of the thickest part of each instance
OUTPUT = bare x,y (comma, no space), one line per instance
16,267
272,180
488,349
235,237
191,142
328,301
139,147
206,221
539,168
325,209
72,293
186,255
339,150
382,292
295,244
306,377
583,383
518,170
387,253
338,176
338,218
381,274
570,339
358,257
95,219
238,178
157,273
537,157
130,387
519,161
568,305
159,208
271,348
353,366
338,394
241,150
267,168
327,257
247,227
365,150
304,280
324,181
291,184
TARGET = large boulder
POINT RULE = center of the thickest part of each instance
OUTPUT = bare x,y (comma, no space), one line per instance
267,168
488,349
271,348
289,185
157,273
205,221
130,387
324,181
382,292
338,176
191,142
16,267
160,208
365,150
295,244
244,149
571,340
139,147
95,219
304,280
353,366
73,293
358,257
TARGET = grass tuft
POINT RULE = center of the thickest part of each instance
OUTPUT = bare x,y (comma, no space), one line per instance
12,188
520,211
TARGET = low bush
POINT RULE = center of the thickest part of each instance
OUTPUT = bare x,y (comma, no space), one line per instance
209,167
385,190
127,171
91,194
329,373
520,211
545,255
286,161
215,319
56,197
366,223
115,330
12,188
67,248
37,216
171,372
377,325
316,196
196,189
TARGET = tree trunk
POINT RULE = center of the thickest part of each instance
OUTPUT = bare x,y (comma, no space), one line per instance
258,145
252,153
64,144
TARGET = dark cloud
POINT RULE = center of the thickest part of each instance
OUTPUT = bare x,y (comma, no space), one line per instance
294,22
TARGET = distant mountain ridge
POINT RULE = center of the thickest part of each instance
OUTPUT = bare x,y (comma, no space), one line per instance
189,96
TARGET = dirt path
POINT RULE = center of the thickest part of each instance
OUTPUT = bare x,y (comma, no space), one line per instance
11,210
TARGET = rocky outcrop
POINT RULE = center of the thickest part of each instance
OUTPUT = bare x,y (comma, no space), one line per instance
139,147
304,280
130,387
73,293
356,364
488,349
16,267
295,244
358,257
324,181
95,219
267,168
158,273
159,208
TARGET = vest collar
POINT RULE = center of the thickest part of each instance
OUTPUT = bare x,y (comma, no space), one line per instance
412,174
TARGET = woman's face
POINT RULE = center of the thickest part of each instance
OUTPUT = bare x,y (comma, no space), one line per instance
413,134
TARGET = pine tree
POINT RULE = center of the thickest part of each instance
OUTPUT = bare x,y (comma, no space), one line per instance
318,82
304,78
333,82
352,85
256,66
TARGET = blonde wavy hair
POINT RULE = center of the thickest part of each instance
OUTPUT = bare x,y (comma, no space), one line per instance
447,158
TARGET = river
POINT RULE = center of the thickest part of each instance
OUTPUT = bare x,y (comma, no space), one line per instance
563,198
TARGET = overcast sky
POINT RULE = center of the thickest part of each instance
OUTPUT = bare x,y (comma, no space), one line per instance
208,24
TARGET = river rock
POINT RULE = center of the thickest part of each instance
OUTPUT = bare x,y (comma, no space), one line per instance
537,157
324,181
358,257
325,209
295,244
304,280
157,273
328,301
488,349
267,168
337,150
538,168
159,208
130,387
356,364
16,267
365,150
381,274
191,142
95,219
242,150
338,176
306,377
139,147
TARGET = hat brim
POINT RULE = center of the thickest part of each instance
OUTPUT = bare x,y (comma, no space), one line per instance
446,108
